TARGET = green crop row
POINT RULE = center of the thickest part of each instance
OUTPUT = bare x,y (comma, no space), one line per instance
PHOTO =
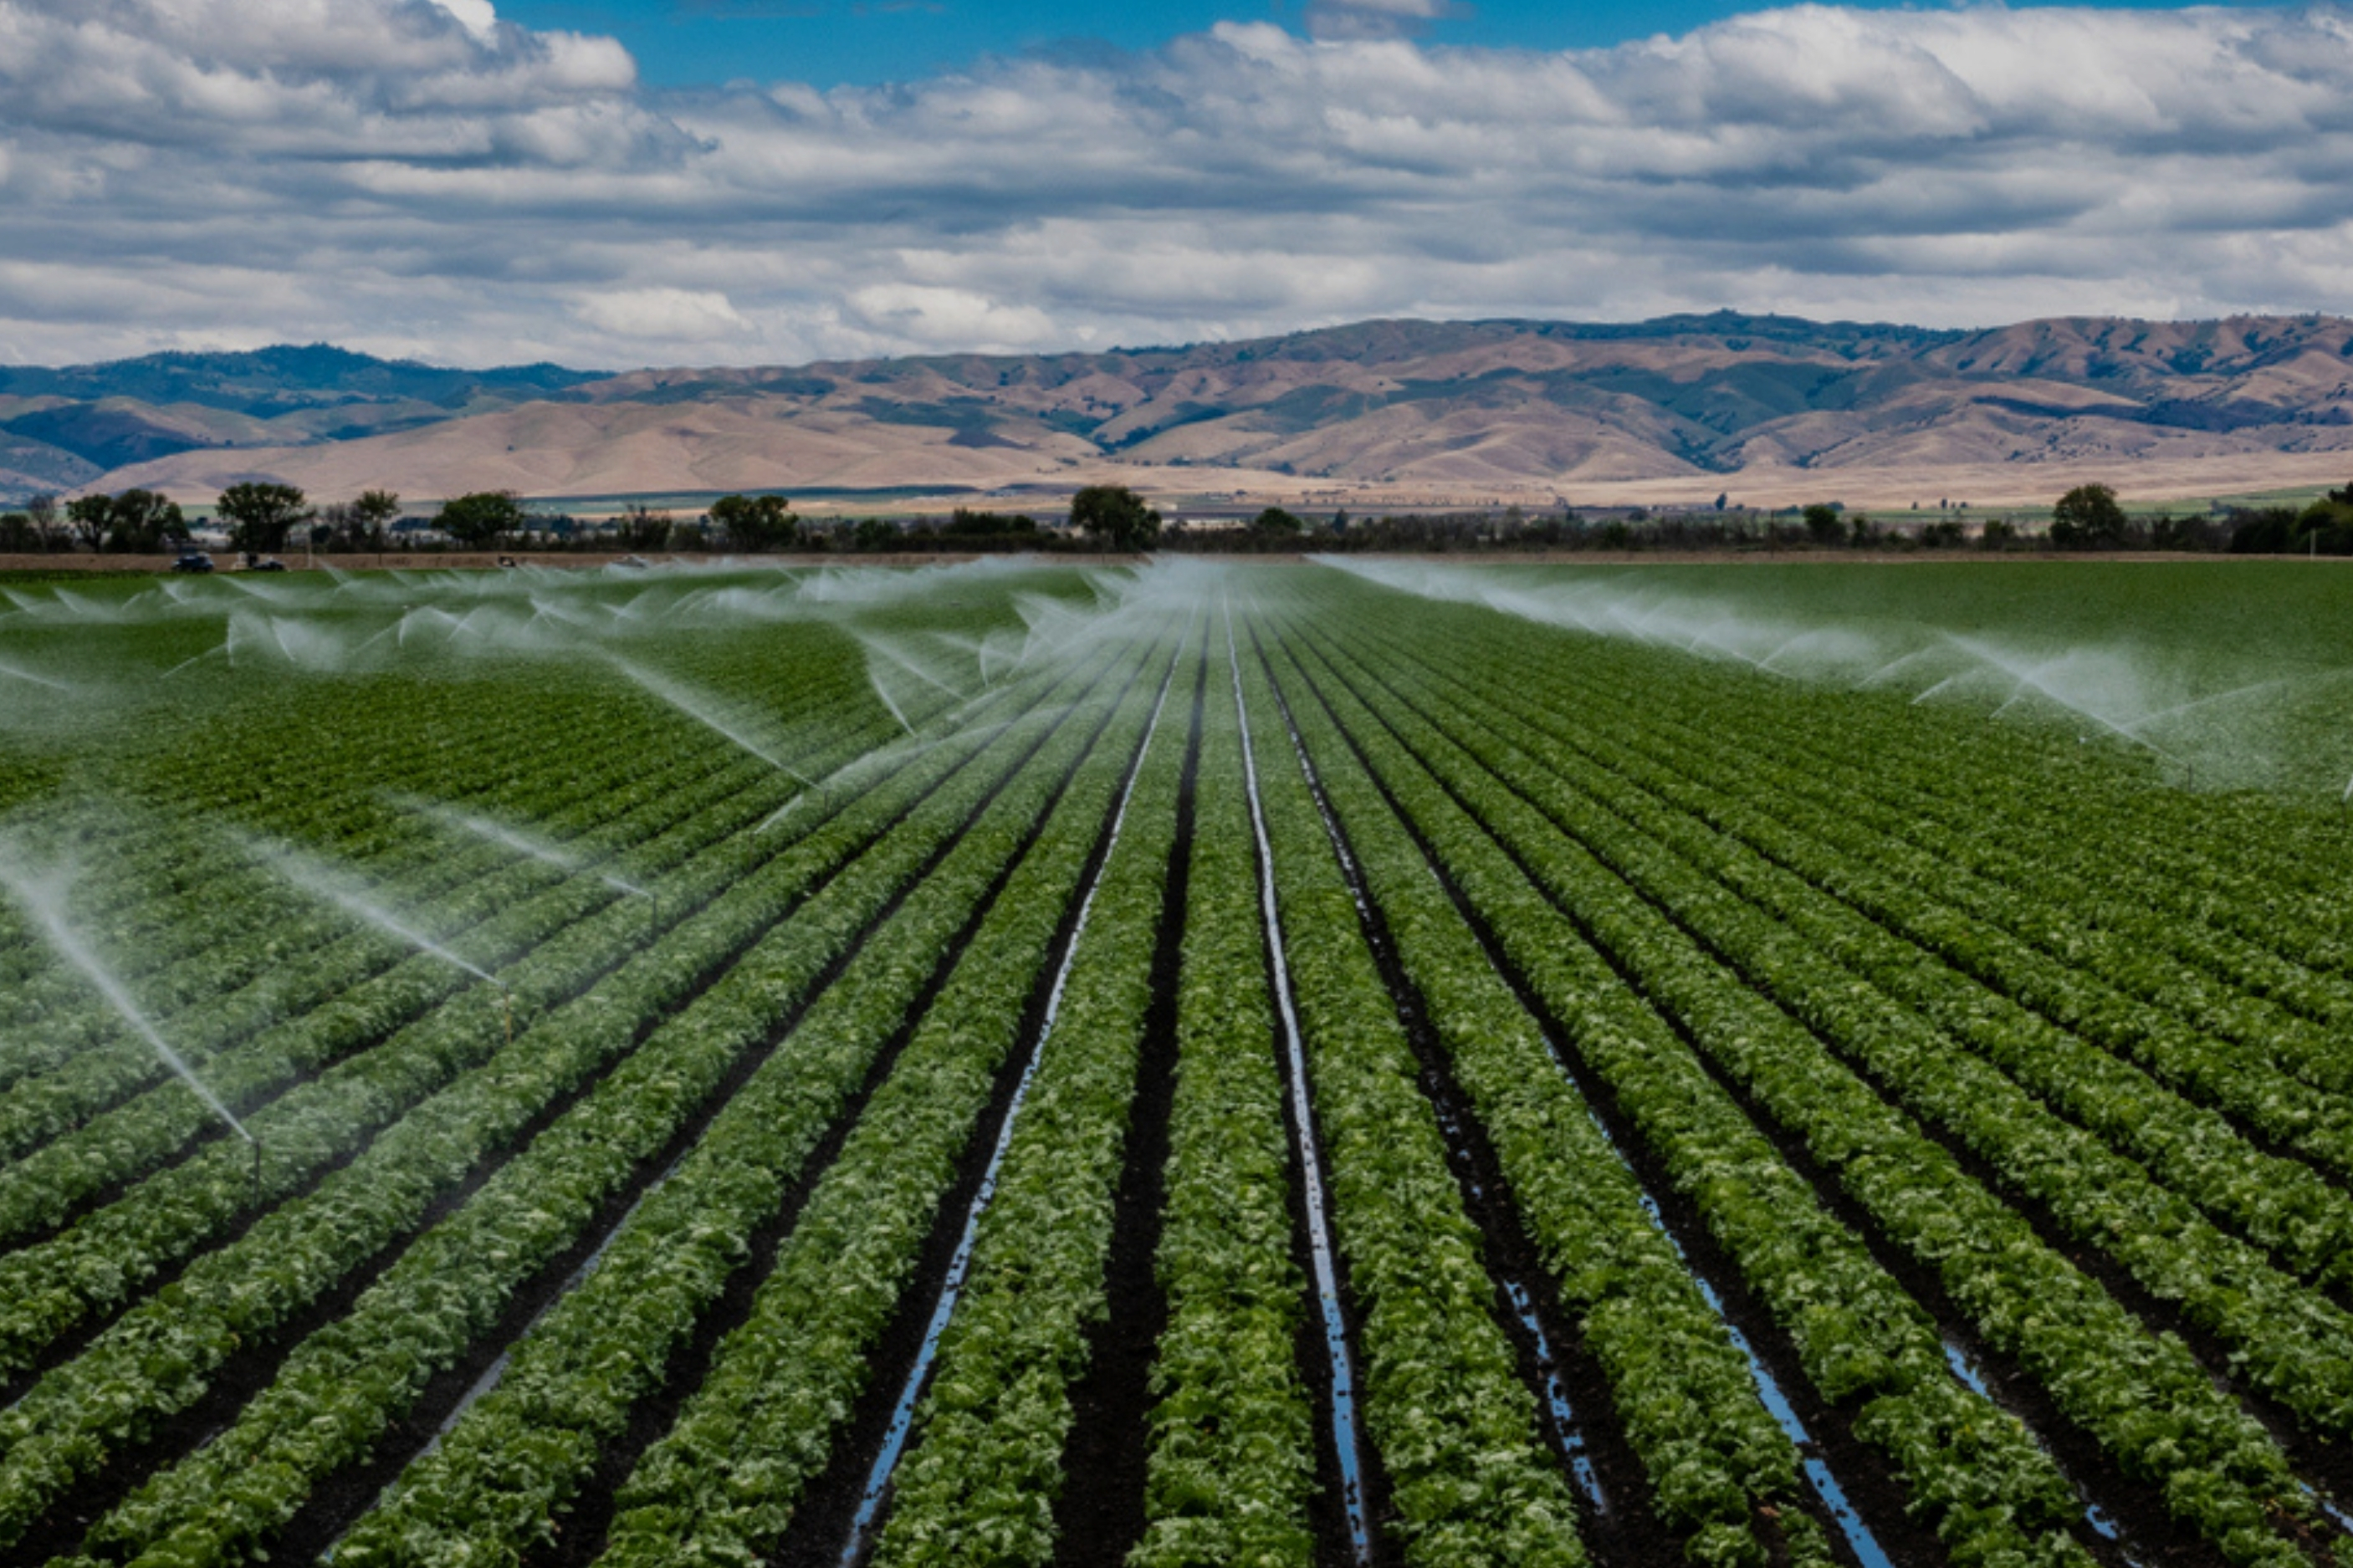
1453,1423
2286,1339
2278,1072
983,1468
1866,1347
215,959
159,1358
340,1391
724,1483
109,1257
2284,1206
2257,882
1231,1463
48,1289
354,992
1719,1466
2143,1398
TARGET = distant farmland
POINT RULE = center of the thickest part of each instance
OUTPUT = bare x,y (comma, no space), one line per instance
1309,1064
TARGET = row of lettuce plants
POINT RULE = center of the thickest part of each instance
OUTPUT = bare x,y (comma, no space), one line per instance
2301,1218
373,984
242,982
1974,1474
2089,896
724,1483
1720,1470
2082,898
160,1358
521,1451
2088,962
983,1468
1471,1479
110,1255
1230,1467
2255,867
53,1286
147,879
2285,1339
2142,1397
684,786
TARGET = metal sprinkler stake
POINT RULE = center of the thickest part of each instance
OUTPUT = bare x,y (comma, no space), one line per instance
506,1003
257,1169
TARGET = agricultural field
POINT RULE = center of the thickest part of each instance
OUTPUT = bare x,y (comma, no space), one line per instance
1350,1063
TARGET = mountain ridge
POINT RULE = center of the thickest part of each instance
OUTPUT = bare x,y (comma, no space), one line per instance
1395,408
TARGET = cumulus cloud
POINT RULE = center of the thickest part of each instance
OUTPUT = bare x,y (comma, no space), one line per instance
425,176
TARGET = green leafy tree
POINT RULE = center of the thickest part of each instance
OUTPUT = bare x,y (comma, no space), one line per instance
88,519
1824,525
145,522
752,523
480,519
259,516
137,522
642,530
371,515
2087,517
2326,527
969,524
1276,523
41,511
1116,516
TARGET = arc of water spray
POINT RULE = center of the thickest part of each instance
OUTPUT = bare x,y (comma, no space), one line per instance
26,675
326,883
42,897
534,846
521,840
695,707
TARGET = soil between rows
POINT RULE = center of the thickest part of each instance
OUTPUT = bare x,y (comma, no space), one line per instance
821,1526
1109,1446
1627,1531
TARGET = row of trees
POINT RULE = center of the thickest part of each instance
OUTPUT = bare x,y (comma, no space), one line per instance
267,517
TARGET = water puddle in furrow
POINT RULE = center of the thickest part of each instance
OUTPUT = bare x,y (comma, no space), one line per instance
1319,1236
903,1413
1859,1536
1567,1433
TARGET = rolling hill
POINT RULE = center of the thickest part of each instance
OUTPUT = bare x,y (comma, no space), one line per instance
1768,408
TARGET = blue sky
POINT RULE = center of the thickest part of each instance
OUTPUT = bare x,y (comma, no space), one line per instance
828,42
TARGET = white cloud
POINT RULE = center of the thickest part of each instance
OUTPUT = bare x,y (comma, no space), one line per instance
682,315
423,177
480,16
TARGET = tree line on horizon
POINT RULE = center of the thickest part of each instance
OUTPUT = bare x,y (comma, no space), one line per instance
262,517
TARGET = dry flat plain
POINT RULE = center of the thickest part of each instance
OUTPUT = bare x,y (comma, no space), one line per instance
1339,1063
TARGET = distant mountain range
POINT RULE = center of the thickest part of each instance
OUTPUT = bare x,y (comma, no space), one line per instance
61,429
1768,408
